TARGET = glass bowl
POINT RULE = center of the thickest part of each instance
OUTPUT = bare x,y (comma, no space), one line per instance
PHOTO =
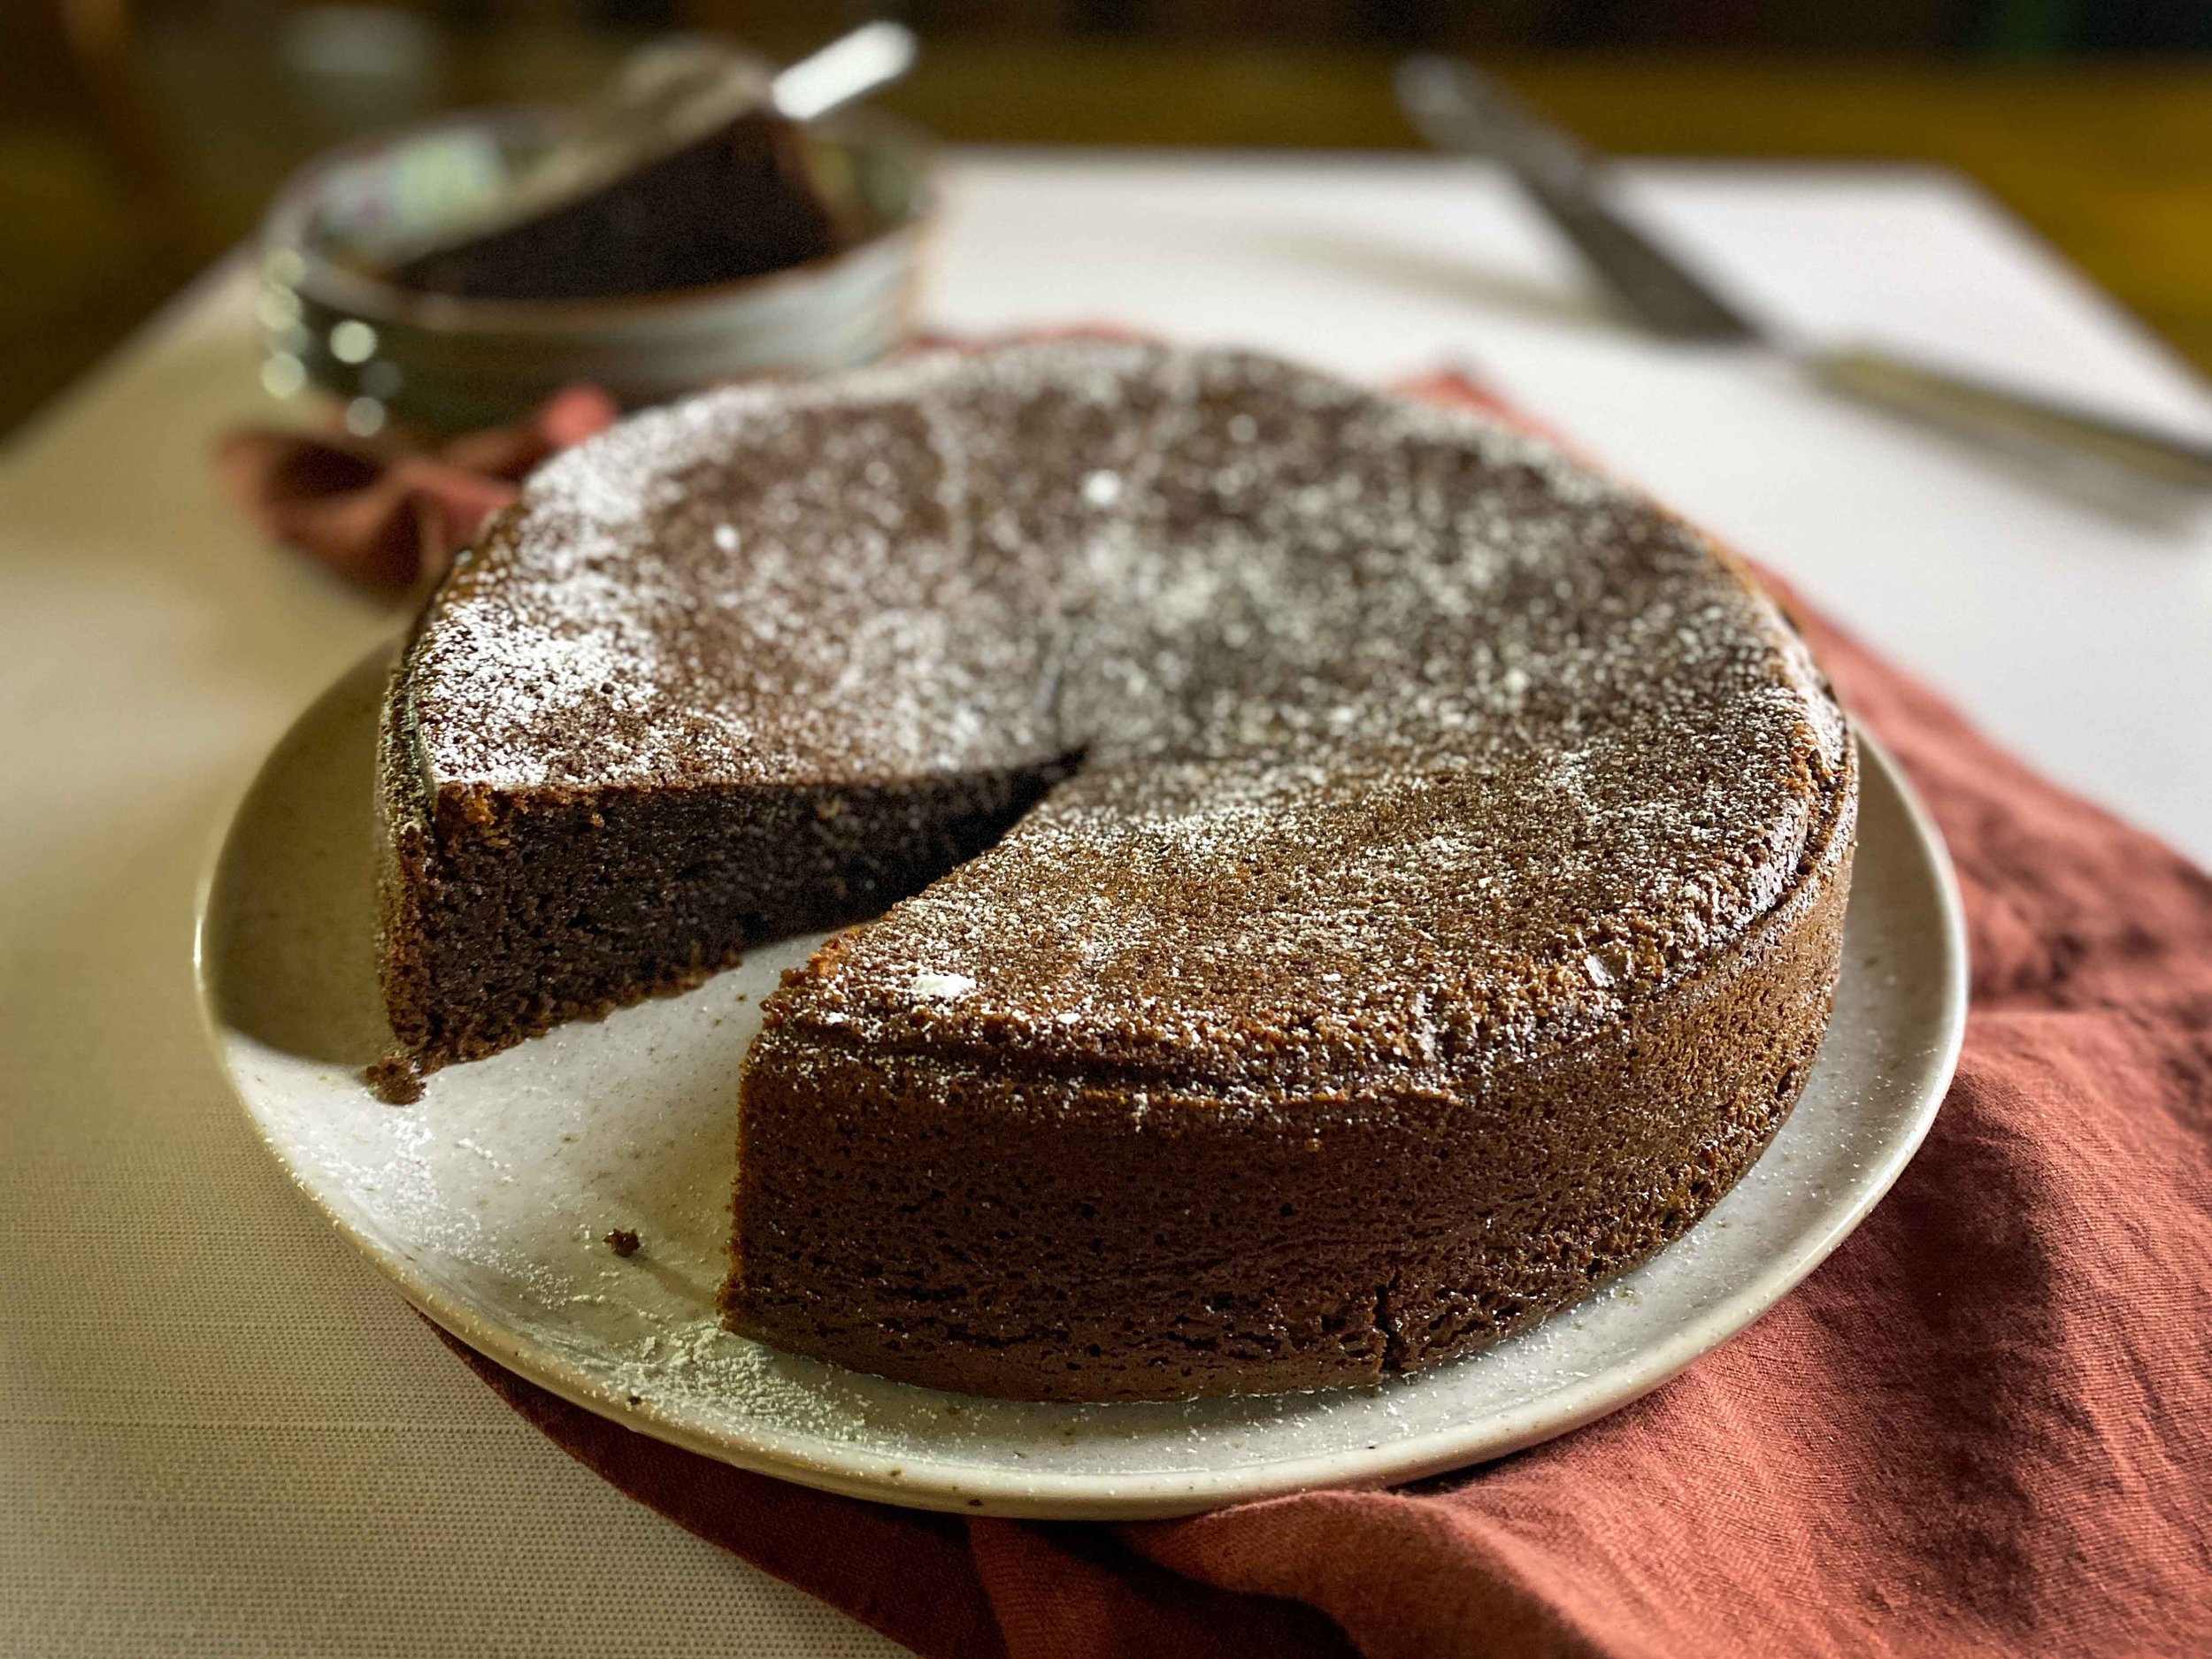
448,364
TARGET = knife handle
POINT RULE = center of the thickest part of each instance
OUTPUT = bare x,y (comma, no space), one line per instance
2015,419
1666,298
1458,108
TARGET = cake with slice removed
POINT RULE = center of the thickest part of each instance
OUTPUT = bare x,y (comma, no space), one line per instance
1346,879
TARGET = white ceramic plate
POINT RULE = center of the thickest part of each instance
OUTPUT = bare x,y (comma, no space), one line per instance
487,1200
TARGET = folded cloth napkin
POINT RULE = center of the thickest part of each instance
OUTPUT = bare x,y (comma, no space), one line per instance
389,513
1984,1425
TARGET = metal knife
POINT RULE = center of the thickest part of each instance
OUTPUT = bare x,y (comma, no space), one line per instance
1457,107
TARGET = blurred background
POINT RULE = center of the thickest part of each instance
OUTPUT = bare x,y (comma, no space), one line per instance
141,138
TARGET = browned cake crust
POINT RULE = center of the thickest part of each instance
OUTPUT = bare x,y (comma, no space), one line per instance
1373,880
996,1229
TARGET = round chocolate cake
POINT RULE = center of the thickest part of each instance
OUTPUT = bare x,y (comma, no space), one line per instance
1346,880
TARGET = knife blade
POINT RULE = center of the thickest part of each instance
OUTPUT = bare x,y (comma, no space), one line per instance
1457,108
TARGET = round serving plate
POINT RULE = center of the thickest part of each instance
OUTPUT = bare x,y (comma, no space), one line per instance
489,1201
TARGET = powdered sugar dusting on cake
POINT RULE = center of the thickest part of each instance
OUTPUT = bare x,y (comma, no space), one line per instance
1392,721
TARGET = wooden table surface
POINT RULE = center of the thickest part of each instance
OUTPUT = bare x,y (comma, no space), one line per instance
2110,161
